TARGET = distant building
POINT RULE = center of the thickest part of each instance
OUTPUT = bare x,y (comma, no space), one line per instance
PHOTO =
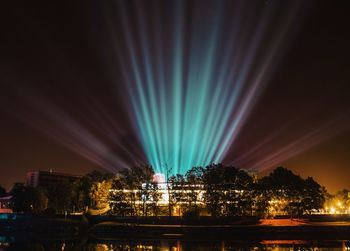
46,179
5,204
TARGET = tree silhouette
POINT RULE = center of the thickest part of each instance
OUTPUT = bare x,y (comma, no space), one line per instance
2,191
60,196
296,195
193,181
28,199
120,201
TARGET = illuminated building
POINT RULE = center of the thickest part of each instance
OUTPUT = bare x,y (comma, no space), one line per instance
164,190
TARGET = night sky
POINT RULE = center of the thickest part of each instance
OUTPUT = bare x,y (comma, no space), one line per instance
64,107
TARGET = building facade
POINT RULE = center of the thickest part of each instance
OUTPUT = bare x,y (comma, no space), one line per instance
45,178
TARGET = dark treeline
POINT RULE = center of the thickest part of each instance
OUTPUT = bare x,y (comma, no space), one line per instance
61,198
215,190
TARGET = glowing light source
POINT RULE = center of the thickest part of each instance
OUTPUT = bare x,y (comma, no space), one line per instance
158,178
332,210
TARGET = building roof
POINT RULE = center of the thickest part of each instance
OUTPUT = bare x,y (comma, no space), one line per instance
55,173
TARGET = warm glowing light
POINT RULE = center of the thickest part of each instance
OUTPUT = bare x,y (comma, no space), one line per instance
332,210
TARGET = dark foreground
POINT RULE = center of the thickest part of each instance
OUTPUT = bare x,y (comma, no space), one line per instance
175,245
149,234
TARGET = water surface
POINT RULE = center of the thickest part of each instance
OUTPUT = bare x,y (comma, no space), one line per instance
172,245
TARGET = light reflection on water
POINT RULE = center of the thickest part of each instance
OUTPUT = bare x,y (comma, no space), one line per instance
176,245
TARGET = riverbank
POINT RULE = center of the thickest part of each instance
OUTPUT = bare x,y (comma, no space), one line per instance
284,229
235,228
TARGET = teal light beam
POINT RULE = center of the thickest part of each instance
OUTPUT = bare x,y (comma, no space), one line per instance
193,70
